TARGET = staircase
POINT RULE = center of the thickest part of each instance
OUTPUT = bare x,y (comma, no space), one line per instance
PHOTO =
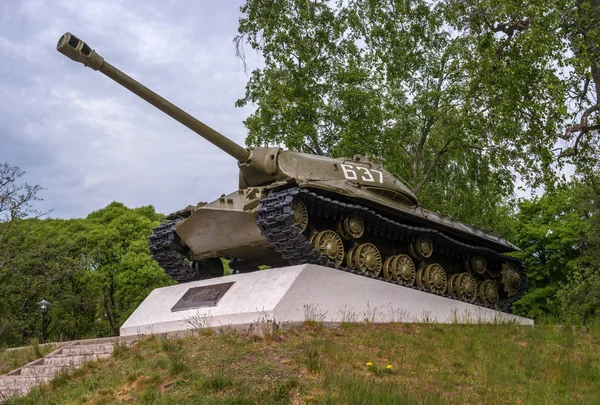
21,380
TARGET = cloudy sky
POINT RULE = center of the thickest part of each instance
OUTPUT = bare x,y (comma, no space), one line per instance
89,141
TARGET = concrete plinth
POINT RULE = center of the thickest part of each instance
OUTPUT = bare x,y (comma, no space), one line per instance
296,294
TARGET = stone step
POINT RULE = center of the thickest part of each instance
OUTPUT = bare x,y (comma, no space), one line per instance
87,349
9,393
71,360
18,381
42,370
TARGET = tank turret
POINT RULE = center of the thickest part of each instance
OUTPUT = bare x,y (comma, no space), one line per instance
348,213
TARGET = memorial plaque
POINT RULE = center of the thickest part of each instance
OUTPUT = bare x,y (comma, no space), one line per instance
198,297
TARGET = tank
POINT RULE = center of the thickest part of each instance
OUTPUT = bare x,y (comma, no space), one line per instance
348,213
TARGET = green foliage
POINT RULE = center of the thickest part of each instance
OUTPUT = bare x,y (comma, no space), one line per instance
558,237
456,97
95,271
123,271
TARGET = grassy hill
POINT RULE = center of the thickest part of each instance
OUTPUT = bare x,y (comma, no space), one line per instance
350,364
15,358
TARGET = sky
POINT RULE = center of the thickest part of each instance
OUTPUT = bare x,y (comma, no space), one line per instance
87,140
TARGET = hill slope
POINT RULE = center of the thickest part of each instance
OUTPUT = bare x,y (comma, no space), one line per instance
429,364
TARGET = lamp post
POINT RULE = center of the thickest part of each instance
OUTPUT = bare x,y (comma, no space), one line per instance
43,304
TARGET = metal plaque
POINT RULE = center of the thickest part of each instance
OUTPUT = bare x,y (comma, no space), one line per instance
198,297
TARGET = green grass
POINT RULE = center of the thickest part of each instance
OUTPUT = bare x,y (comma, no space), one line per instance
15,358
430,364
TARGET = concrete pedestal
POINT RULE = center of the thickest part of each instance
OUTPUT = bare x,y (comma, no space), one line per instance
296,294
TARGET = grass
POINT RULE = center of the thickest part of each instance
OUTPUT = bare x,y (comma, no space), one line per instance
15,358
429,364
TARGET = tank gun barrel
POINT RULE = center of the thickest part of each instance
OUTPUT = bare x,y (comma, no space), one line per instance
77,50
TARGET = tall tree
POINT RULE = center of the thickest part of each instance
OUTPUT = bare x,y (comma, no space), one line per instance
17,201
461,99
560,241
541,56
374,77
121,268
95,271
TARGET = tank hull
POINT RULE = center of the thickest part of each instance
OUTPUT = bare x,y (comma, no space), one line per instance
227,226
256,227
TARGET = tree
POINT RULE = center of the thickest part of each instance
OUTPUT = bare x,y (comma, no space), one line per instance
95,271
120,265
388,79
542,56
579,298
17,201
48,262
459,98
559,240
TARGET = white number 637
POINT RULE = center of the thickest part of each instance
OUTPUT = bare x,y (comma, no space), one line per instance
350,173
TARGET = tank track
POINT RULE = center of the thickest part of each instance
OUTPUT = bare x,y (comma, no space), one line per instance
171,256
168,253
275,221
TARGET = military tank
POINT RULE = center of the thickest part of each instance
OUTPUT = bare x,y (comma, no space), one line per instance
347,213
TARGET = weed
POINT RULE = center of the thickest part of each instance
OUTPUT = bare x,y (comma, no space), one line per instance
372,314
355,389
347,315
15,358
201,323
313,314
380,371
35,347
266,326
218,381
313,359
282,391
61,379
120,349
175,354
396,314
236,400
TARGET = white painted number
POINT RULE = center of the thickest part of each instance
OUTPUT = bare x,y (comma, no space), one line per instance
367,172
350,173
379,173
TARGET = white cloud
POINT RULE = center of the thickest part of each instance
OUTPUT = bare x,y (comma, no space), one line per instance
89,141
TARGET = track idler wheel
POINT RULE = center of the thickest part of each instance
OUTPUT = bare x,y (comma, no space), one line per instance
367,259
433,278
300,216
421,248
400,268
488,293
330,244
477,264
511,280
351,226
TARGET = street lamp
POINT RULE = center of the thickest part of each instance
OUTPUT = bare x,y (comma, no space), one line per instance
43,304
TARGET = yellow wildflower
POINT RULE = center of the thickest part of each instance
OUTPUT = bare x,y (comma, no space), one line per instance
389,366
369,364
